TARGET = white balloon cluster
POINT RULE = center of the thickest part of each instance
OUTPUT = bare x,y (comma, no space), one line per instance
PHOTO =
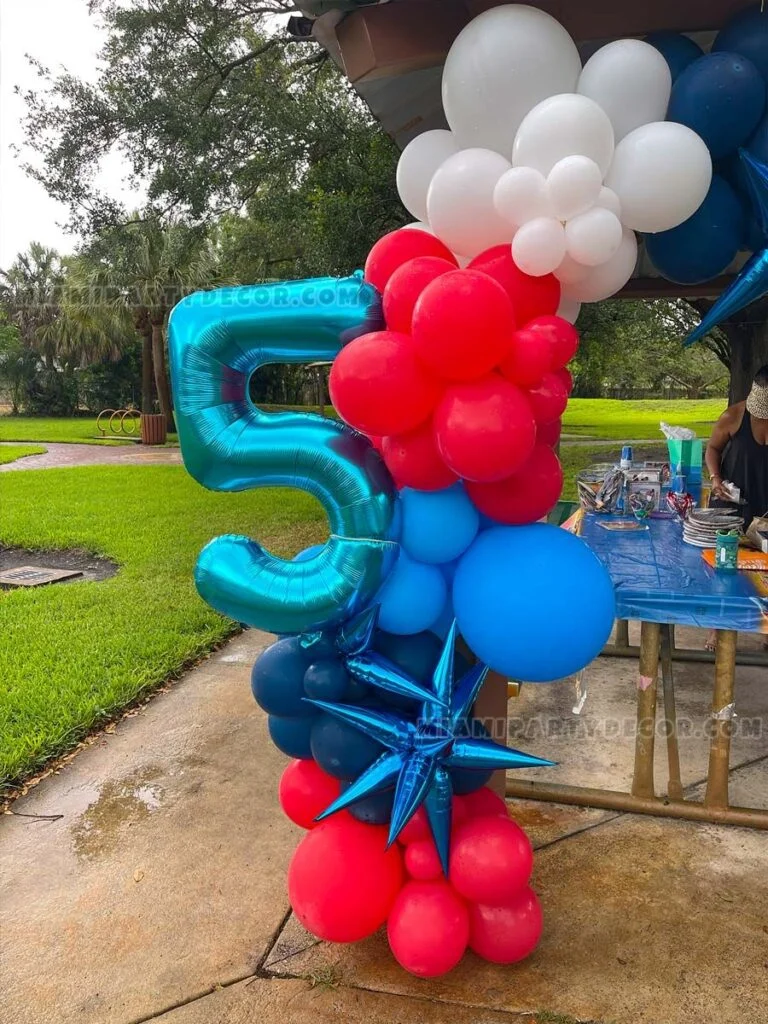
562,162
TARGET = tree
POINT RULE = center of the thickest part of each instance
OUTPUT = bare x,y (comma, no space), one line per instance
136,273
18,364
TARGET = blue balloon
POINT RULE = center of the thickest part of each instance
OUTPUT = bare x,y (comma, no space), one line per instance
412,598
292,735
340,749
533,602
757,146
438,526
308,553
216,340
704,245
277,680
746,34
677,50
416,654
373,810
326,679
721,96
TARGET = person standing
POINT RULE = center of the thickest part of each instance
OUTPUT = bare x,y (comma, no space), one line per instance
737,450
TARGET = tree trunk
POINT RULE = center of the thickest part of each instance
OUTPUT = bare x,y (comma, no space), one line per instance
147,371
749,352
161,374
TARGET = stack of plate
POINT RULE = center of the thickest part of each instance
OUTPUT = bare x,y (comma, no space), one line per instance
701,526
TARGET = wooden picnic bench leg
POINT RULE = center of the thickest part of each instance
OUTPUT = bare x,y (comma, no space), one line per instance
675,785
722,714
642,778
622,633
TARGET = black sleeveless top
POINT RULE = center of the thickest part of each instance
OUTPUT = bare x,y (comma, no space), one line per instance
745,463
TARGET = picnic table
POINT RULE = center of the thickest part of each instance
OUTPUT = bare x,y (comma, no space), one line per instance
662,581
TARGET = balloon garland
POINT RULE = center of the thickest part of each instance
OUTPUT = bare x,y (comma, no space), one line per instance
450,377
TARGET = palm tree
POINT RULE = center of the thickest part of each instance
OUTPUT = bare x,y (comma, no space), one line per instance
139,271
30,291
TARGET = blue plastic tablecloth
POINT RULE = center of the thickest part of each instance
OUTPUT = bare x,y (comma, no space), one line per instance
660,578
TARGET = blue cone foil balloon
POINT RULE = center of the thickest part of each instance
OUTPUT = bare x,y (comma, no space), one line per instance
217,340
533,602
677,50
747,34
704,245
721,96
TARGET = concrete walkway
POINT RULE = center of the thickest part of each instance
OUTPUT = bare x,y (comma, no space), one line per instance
68,455
146,880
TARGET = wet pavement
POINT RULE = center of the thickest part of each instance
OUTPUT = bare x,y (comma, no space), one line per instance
147,878
60,456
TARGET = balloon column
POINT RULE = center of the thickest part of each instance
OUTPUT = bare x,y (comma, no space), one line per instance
450,377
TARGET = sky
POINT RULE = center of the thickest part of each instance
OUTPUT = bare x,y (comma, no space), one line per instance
60,34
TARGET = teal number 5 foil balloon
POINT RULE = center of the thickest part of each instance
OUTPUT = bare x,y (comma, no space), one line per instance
217,340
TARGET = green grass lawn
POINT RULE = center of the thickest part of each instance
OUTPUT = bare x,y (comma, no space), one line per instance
11,452
616,420
75,429
74,654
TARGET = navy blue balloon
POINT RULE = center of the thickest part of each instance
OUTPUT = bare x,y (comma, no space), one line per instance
677,50
416,654
341,750
277,680
533,602
326,679
721,96
747,34
757,146
373,810
704,245
292,735
468,780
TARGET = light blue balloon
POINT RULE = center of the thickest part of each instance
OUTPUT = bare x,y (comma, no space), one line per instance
217,340
412,598
533,602
438,526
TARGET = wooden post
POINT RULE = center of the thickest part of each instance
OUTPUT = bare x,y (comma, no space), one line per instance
491,709
642,779
722,714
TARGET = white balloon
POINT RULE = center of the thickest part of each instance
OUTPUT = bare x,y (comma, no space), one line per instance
631,81
521,194
569,271
609,201
574,184
500,65
417,165
563,126
593,237
604,281
460,202
539,246
569,310
661,173
419,225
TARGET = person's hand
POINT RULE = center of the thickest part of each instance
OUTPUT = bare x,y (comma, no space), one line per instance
718,491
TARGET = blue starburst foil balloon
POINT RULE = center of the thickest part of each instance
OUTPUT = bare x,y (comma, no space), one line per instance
420,753
751,283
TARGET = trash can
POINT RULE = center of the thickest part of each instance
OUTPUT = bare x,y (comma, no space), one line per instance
153,428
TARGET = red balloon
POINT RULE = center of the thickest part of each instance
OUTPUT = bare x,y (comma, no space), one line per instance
566,377
562,336
342,880
527,496
484,428
428,929
531,296
462,325
506,934
491,860
530,357
548,400
416,829
483,803
379,387
406,285
549,433
396,248
305,790
414,461
422,861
